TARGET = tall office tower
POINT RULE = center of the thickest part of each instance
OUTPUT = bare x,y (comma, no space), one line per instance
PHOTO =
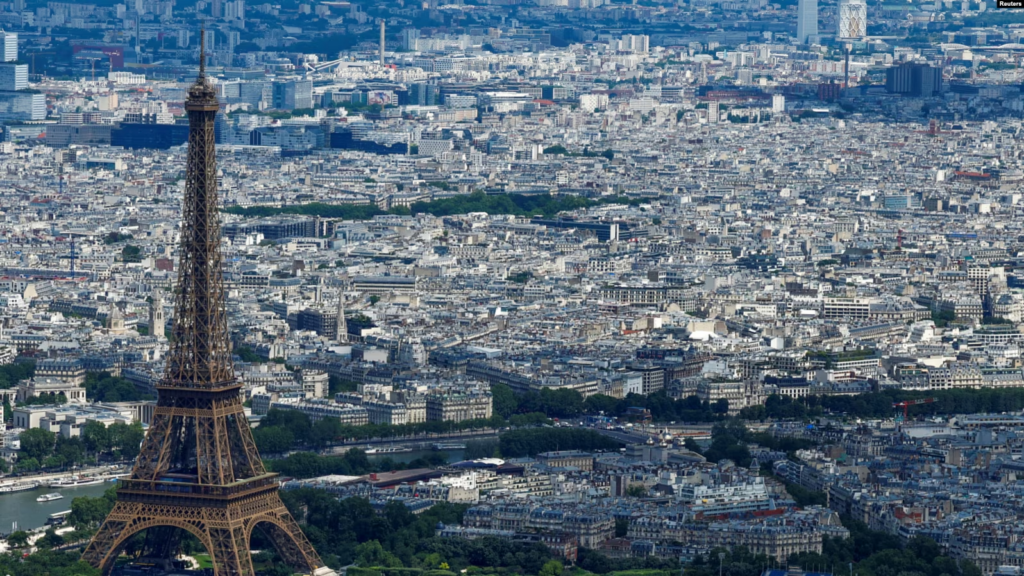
9,46
234,39
217,8
778,103
713,112
806,20
293,94
183,38
13,76
853,19
382,42
410,39
210,38
198,470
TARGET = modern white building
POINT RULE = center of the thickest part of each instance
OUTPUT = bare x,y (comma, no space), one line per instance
778,103
9,46
853,19
13,77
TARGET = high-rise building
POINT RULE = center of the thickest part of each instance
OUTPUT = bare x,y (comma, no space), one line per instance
210,37
293,94
912,79
183,38
778,104
713,112
853,19
410,39
234,39
13,76
806,20
22,106
217,8
9,46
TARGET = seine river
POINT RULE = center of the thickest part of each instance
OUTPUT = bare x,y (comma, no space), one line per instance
21,507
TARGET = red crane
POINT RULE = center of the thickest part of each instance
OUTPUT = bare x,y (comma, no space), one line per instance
907,403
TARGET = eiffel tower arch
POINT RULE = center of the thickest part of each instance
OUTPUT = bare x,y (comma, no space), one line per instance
198,470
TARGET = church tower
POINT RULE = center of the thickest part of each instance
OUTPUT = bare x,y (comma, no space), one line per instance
157,319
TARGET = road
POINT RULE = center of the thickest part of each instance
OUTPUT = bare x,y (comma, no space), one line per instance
93,471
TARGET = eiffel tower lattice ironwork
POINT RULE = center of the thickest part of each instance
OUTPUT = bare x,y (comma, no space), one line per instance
198,470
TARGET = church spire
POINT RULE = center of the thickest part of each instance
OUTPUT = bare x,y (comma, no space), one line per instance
342,329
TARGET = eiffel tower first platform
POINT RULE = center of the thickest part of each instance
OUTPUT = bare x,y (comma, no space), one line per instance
198,470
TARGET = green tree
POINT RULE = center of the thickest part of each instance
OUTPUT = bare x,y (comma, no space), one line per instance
504,400
129,439
273,439
551,568
27,465
96,436
37,443
89,512
12,374
326,431
636,491
18,539
131,253
373,554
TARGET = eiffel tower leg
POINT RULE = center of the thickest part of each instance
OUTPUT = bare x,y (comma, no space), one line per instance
231,551
128,519
290,543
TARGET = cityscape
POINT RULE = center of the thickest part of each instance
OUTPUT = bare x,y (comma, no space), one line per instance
511,288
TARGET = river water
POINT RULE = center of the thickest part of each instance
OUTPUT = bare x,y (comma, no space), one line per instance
21,507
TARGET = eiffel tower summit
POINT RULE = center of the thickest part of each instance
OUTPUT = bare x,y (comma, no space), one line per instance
198,470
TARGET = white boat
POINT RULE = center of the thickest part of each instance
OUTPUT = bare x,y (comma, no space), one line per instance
75,482
388,450
49,497
8,488
449,446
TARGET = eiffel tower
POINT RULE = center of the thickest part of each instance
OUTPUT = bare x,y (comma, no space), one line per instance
198,470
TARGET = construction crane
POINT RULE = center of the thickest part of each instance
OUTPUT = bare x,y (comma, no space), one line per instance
908,403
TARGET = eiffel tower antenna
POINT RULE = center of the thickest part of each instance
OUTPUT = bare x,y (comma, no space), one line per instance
198,470
202,51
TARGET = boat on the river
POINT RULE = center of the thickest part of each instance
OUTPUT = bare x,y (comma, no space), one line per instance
441,446
9,488
75,482
387,450
50,497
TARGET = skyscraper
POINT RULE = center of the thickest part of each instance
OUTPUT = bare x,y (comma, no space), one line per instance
853,19
713,113
198,470
806,20
9,46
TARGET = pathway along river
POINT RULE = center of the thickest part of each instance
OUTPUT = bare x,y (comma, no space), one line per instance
21,507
